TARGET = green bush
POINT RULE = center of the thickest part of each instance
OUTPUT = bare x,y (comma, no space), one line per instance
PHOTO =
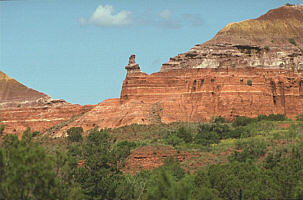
205,136
130,145
74,134
262,117
185,134
35,133
277,117
299,117
249,82
173,139
220,119
248,150
222,130
242,121
27,171
2,127
240,132
266,48
272,117
292,41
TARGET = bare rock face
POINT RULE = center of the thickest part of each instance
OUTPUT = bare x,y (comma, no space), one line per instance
39,118
273,40
132,66
249,68
22,107
14,94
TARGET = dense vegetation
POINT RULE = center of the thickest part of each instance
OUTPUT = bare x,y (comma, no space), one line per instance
265,162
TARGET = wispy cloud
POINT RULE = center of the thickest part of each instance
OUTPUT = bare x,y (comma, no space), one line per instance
193,19
165,14
104,16
167,20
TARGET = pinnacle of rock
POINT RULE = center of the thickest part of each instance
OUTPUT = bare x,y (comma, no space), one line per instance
132,66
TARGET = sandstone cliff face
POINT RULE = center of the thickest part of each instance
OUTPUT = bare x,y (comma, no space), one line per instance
22,107
39,118
15,94
248,68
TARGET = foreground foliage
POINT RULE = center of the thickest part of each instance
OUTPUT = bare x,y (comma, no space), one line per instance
91,167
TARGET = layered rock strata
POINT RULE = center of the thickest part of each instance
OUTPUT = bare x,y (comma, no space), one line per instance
22,107
39,118
249,68
15,94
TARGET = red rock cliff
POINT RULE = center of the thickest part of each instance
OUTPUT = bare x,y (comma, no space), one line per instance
249,68
22,107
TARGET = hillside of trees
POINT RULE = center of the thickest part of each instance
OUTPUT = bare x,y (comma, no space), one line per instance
266,162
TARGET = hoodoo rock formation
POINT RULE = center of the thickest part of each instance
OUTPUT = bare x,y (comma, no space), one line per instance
249,68
22,107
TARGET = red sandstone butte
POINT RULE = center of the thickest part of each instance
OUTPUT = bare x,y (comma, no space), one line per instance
248,68
22,107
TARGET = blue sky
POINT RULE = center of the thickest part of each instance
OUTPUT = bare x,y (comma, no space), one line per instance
77,49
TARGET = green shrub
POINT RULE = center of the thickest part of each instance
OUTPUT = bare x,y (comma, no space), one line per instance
266,48
249,82
74,134
220,119
242,121
262,117
292,41
272,117
173,139
272,160
35,133
130,145
299,117
240,132
185,134
205,136
248,150
2,127
222,130
277,117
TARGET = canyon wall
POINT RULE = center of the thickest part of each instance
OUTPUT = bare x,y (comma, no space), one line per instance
249,68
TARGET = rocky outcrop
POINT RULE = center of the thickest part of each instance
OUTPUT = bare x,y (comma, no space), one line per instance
39,118
15,94
271,29
249,68
22,107
132,66
150,157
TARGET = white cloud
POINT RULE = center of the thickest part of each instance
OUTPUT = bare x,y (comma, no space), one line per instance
104,16
165,14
